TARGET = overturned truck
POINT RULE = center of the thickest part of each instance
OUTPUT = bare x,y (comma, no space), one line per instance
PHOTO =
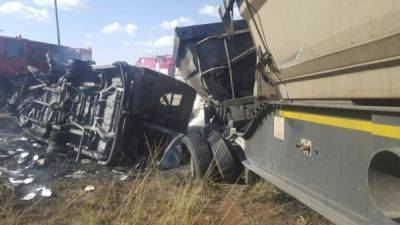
320,114
104,112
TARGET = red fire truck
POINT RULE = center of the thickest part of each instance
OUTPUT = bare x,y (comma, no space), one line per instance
162,64
18,53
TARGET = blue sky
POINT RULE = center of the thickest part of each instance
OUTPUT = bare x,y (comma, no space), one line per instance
115,30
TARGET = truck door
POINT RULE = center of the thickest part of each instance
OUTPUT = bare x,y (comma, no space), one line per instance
13,57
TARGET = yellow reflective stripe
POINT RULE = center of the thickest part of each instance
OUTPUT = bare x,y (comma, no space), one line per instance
352,124
386,130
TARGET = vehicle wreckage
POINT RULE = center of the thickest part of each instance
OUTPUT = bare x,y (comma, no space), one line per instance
312,106
308,100
104,112
221,68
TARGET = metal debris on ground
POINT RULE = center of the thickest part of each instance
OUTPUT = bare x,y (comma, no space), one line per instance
79,172
35,157
20,161
24,181
46,192
11,152
118,172
86,161
76,175
28,197
30,165
24,155
23,139
14,181
37,145
123,177
90,188
40,162
28,180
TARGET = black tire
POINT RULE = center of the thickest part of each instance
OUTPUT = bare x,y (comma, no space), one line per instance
228,166
200,154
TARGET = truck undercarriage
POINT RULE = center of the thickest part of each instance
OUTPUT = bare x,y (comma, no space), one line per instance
105,112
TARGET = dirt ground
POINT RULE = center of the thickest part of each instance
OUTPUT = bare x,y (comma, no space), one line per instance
123,195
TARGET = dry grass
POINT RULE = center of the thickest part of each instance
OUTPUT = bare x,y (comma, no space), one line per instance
157,198
154,197
148,199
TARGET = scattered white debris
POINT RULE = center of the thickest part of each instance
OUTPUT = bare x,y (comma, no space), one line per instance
85,161
29,196
28,180
40,162
90,188
35,157
76,175
20,161
37,145
123,177
21,139
30,165
79,172
118,172
15,181
4,156
24,155
46,192
11,152
25,181
20,150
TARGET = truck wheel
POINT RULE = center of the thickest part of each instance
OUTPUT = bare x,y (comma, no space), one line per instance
228,166
200,154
